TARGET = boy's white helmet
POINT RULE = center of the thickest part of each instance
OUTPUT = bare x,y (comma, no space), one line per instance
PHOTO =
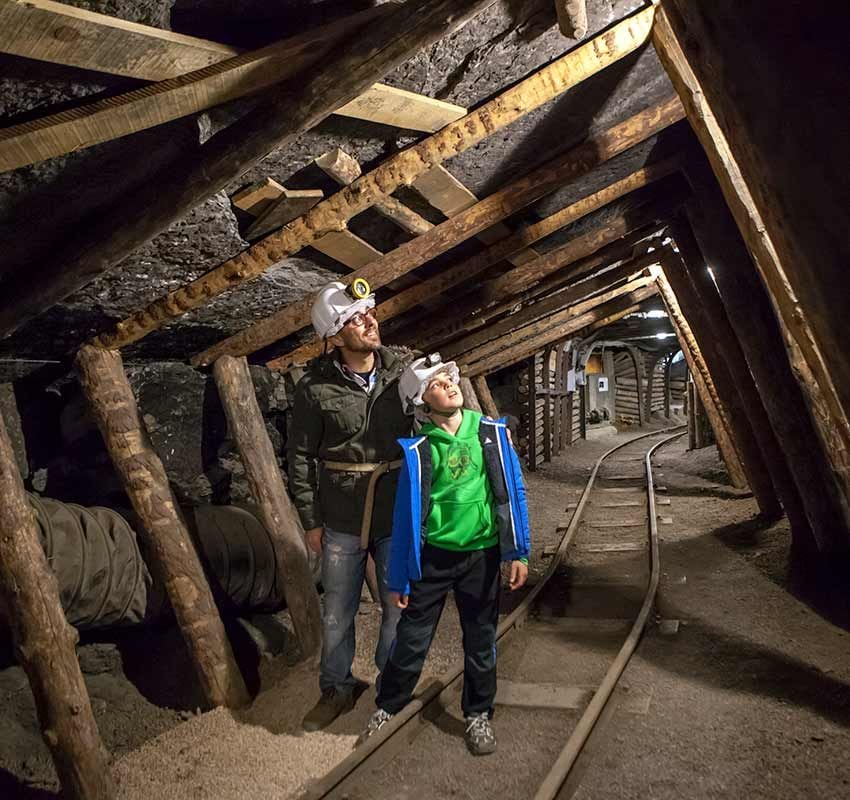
415,379
337,303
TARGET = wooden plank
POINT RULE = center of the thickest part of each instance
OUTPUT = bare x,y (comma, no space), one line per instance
347,248
342,76
257,197
292,203
613,547
111,118
346,72
488,404
45,643
246,426
345,169
62,34
448,195
402,109
460,227
169,544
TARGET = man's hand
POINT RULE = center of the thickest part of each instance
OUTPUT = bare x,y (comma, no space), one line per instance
399,600
314,539
519,575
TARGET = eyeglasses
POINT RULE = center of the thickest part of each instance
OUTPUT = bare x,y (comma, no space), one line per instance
359,319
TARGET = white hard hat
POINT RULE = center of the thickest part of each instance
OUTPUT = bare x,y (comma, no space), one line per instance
336,304
415,379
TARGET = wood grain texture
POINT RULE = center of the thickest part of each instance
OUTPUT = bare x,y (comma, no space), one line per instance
412,29
246,426
173,192
45,643
172,553
759,218
291,203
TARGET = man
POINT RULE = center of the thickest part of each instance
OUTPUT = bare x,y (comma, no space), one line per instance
343,469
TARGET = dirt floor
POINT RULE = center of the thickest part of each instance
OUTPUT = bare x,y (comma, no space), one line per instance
750,696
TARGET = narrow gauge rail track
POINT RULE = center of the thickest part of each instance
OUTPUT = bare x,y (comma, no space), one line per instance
601,541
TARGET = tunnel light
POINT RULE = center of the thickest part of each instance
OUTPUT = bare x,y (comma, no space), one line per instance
664,335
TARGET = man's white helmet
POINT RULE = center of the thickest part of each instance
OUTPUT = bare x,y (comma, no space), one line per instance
336,304
415,379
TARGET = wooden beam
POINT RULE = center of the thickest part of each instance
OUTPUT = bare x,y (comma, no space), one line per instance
45,643
113,117
517,192
553,321
470,398
401,109
485,397
690,278
290,204
604,314
760,220
469,314
705,386
411,29
169,195
448,195
542,308
546,385
246,426
342,246
169,543
62,34
532,414
255,198
345,169
729,397
757,329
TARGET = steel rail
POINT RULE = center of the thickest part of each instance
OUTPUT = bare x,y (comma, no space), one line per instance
403,727
567,757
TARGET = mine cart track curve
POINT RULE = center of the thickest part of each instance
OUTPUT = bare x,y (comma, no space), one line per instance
396,736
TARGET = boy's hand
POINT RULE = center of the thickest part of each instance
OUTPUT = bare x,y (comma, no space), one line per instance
314,539
519,575
400,600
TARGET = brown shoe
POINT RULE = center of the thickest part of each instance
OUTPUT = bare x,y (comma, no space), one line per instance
332,703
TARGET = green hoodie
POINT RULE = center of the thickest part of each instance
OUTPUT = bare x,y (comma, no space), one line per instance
462,516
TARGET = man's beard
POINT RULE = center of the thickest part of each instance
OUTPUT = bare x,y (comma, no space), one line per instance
365,346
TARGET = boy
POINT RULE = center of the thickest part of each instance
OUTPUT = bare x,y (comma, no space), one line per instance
459,511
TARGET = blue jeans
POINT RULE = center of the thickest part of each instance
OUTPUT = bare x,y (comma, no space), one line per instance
343,571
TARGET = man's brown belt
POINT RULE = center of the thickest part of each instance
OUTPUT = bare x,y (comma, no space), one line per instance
377,469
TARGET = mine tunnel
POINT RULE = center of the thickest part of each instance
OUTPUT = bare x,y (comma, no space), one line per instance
424,399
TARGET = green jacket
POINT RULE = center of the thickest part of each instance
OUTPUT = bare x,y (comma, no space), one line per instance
334,419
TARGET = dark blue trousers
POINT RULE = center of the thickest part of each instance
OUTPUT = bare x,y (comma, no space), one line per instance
475,579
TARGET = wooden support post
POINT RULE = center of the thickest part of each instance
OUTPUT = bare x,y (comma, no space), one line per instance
557,401
346,72
246,426
705,386
572,18
582,411
412,27
760,337
485,397
705,295
172,553
667,399
690,413
651,362
569,418
546,383
470,399
728,395
637,360
792,264
532,413
44,643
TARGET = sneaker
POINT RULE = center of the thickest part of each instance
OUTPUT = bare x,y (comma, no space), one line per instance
480,737
377,721
332,703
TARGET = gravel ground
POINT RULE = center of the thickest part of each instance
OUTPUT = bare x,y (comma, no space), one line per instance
750,698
